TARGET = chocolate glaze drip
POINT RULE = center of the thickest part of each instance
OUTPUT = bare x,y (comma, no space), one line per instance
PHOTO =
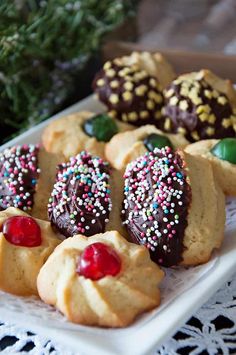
190,119
130,94
80,201
157,197
18,176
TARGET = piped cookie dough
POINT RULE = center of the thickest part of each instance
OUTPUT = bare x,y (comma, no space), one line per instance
70,135
102,280
25,244
222,156
127,146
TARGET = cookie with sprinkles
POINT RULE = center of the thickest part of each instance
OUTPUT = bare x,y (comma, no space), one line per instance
19,173
80,202
130,91
173,205
200,105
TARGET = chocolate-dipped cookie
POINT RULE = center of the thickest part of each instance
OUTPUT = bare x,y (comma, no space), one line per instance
127,146
174,206
131,87
222,156
200,105
19,173
80,201
70,135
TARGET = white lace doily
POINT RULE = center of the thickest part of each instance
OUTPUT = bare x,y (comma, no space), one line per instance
203,331
212,330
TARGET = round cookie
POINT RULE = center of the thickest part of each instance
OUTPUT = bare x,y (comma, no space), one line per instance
102,280
25,244
127,146
224,169
200,105
67,135
174,206
131,87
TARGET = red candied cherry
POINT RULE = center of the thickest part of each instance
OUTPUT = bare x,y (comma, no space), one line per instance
22,231
97,261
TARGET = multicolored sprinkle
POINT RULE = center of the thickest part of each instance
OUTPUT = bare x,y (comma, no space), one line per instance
156,201
80,202
19,173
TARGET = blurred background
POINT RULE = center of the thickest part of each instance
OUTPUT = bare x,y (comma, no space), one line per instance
50,50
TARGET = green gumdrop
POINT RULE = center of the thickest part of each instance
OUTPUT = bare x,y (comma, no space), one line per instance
156,141
102,127
225,149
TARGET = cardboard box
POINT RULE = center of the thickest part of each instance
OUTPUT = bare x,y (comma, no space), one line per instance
183,62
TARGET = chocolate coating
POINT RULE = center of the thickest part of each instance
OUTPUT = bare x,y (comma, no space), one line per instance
18,176
80,201
130,94
197,110
157,197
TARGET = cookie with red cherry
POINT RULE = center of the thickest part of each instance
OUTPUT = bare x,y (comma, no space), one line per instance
102,280
25,244
174,205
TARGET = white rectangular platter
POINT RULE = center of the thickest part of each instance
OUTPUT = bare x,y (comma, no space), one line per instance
183,291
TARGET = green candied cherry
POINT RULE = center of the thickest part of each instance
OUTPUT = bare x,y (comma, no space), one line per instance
156,141
101,126
225,149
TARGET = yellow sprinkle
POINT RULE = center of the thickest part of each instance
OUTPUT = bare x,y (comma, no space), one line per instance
144,114
133,116
210,131
110,73
127,95
173,101
215,94
114,99
140,75
107,66
208,94
118,61
226,122
140,90
222,100
112,113
158,115
150,104
182,130
196,100
167,124
184,92
203,117
212,118
114,84
153,82
100,82
169,93
128,85
200,109
195,135
183,105
124,117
